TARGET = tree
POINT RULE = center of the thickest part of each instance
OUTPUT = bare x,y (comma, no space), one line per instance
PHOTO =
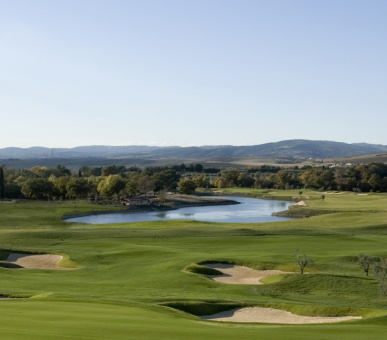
230,178
46,172
93,185
197,167
365,262
165,179
282,178
78,187
12,190
111,185
144,184
63,171
131,186
113,170
218,182
2,184
303,260
317,178
264,182
187,186
162,195
87,171
61,185
39,188
375,182
202,182
245,180
380,271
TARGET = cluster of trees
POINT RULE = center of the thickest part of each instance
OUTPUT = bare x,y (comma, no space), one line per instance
114,180
111,181
362,178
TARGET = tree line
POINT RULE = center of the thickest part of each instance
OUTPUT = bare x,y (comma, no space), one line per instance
112,181
115,181
361,178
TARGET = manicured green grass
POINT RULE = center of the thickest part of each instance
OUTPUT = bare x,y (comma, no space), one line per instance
127,272
37,320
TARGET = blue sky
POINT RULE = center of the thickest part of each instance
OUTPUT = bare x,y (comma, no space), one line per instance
179,72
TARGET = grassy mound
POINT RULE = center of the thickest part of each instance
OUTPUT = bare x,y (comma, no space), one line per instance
200,308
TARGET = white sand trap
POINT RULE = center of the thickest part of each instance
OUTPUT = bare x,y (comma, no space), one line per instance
271,315
47,261
240,275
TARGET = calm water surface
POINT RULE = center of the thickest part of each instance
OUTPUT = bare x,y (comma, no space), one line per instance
248,211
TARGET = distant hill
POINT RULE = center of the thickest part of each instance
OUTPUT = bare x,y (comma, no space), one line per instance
290,149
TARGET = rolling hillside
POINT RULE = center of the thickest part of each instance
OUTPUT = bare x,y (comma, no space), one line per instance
296,149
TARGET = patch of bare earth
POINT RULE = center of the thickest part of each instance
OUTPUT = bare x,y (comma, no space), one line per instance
271,315
45,261
240,275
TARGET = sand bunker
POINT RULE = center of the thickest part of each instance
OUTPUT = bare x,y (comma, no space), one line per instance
47,261
271,315
240,275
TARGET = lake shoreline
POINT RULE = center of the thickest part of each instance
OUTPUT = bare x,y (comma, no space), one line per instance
198,208
173,202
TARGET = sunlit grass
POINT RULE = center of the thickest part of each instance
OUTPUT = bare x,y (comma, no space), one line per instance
126,270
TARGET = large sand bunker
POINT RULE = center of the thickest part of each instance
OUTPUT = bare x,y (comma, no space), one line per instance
271,315
240,275
46,261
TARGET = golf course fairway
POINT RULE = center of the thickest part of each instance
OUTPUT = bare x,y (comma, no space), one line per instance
148,280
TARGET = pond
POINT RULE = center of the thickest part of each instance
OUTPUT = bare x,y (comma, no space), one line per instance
249,210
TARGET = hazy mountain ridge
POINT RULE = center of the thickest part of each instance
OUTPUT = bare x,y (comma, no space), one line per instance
297,149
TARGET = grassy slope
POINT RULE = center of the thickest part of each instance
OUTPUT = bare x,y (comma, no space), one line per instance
130,267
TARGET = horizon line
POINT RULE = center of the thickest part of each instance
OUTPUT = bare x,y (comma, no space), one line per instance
161,145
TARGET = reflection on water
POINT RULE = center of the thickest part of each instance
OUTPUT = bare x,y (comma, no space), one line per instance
249,210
